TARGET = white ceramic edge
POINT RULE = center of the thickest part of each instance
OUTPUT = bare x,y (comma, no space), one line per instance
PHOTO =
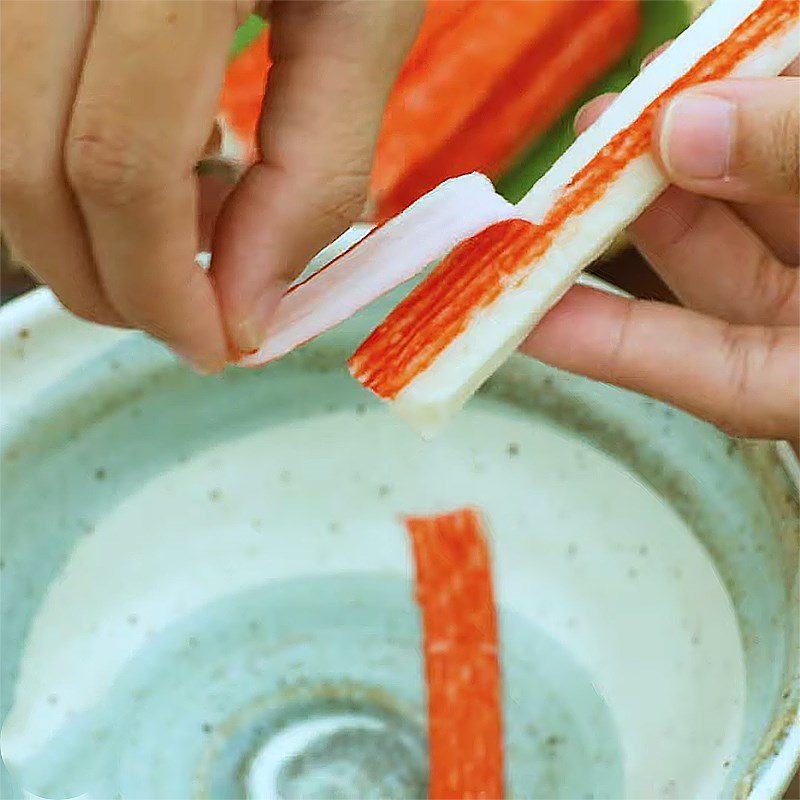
772,783
25,308
40,304
26,311
777,776
31,310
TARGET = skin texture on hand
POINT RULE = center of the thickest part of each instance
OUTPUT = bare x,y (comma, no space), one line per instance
725,237
106,110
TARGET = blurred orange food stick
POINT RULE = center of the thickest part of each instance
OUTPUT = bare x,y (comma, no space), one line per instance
483,80
500,92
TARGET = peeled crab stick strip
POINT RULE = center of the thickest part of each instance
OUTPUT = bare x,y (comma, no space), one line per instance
388,256
531,95
462,670
432,352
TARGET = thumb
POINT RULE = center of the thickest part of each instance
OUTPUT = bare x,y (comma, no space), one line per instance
734,139
334,64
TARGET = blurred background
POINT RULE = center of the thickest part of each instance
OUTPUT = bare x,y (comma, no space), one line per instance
490,85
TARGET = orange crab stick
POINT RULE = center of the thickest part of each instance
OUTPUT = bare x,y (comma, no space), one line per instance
432,352
470,278
240,99
434,130
449,74
462,670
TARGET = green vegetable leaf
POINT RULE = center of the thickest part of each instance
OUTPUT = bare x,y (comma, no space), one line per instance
661,20
247,32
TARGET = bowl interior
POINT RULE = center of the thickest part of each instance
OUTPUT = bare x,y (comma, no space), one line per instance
207,591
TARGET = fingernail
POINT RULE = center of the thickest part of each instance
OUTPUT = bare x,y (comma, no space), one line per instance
250,332
580,123
650,57
697,133
202,367
590,112
370,209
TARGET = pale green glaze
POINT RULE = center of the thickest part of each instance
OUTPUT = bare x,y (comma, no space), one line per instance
210,561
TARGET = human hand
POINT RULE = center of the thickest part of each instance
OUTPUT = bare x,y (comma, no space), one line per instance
106,110
725,238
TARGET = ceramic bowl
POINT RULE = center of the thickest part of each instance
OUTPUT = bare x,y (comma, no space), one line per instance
207,592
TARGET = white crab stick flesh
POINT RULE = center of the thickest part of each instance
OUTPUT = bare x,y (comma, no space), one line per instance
386,257
456,328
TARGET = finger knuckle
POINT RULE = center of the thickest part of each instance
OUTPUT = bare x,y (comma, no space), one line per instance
344,200
776,290
737,358
143,320
617,357
785,144
142,310
106,164
746,353
141,316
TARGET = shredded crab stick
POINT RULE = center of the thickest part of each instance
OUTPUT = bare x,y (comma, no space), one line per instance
462,670
434,350
389,255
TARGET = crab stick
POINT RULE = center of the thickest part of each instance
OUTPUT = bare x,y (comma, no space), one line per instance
388,256
438,345
240,101
452,70
453,113
462,668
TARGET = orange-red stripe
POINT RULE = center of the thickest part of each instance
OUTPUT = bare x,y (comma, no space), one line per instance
471,276
441,307
462,671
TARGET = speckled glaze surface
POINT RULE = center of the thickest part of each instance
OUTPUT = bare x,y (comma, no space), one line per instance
206,592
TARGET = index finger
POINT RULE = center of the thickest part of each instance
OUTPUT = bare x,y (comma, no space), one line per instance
743,378
144,108
333,67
